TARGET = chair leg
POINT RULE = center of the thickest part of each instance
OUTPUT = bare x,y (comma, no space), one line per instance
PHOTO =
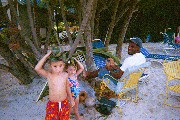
166,99
118,104
125,97
136,97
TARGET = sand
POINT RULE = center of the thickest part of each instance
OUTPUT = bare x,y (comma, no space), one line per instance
18,102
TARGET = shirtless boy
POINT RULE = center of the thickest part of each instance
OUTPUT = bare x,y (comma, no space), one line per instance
59,90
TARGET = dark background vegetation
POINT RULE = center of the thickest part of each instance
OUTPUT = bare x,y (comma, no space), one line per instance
152,17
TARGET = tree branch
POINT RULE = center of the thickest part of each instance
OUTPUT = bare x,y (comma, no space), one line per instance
5,68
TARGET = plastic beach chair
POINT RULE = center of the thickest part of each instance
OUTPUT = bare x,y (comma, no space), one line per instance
128,82
172,71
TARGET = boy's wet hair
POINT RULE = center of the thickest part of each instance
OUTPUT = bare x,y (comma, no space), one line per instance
59,56
56,59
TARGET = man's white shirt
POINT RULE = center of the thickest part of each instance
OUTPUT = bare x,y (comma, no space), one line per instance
134,60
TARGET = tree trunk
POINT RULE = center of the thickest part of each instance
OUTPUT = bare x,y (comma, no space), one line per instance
36,21
16,38
49,29
22,33
65,22
79,11
27,50
15,67
52,23
86,17
25,62
124,27
123,9
96,20
13,17
89,53
93,18
3,12
31,20
112,23
20,57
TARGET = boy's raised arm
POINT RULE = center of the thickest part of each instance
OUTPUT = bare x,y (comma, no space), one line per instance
39,67
81,67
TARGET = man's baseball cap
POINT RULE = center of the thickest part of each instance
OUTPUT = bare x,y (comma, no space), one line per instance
137,41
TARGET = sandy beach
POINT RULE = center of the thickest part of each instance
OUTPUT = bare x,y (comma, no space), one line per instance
18,102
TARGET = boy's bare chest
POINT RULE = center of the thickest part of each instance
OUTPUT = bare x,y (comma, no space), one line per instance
57,82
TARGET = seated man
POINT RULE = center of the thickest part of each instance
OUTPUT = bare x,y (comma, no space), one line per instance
136,59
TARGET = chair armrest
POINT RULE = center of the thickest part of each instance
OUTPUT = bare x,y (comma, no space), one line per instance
110,76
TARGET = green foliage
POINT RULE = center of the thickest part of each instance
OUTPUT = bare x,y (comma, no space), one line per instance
2,37
107,54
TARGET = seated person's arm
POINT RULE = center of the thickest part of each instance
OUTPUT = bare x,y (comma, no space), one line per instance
114,69
116,72
92,74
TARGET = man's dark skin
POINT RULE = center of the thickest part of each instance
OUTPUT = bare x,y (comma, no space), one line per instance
114,69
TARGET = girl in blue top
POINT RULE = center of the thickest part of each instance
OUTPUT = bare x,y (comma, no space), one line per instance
73,73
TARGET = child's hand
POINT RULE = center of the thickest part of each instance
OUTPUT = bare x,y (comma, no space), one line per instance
48,54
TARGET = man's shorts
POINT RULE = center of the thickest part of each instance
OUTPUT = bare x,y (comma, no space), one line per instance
57,110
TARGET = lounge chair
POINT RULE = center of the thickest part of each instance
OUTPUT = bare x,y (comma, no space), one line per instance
169,41
158,56
97,43
172,71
